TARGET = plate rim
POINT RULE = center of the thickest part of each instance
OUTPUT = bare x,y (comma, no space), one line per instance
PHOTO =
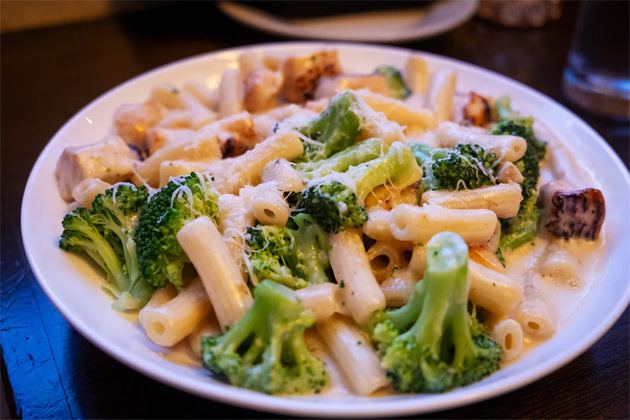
291,405
228,8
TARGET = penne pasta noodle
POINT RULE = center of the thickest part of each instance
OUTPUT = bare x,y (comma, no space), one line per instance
484,256
235,214
220,275
559,265
441,92
352,270
507,148
378,224
269,206
174,168
493,291
494,242
564,167
399,287
86,190
204,94
230,93
208,327
419,224
509,334
416,74
282,173
534,313
508,172
398,111
168,95
160,297
265,123
383,257
353,355
234,173
319,298
503,199
170,322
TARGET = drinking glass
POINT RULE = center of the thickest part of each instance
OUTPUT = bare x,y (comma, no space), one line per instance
597,75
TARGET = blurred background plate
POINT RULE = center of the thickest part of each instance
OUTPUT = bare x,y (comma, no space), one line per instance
409,22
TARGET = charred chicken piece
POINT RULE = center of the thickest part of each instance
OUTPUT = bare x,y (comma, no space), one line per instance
573,213
301,74
477,111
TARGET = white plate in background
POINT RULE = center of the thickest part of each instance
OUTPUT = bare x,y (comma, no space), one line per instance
373,26
74,286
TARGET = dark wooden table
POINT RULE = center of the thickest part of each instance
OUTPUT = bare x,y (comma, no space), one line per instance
49,370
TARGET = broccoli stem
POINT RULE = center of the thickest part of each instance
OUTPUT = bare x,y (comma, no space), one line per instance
398,167
310,240
100,246
340,162
445,290
407,314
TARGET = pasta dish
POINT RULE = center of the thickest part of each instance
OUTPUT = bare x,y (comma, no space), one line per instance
302,228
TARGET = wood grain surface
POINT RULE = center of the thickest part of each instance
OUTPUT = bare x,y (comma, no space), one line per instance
50,371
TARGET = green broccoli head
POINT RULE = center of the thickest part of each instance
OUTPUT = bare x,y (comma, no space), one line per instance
105,234
464,166
265,351
334,206
183,199
431,344
294,256
333,130
336,202
396,86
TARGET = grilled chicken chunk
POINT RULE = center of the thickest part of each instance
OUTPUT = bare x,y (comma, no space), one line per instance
110,160
477,111
573,213
134,120
301,74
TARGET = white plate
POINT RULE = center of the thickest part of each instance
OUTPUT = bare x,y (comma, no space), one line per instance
73,286
378,26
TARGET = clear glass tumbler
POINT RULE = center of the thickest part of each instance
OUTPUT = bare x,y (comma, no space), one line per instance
597,75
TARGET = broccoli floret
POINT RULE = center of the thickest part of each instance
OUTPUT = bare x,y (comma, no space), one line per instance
336,201
521,228
105,234
183,199
265,350
432,344
464,166
340,162
335,129
295,256
396,86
